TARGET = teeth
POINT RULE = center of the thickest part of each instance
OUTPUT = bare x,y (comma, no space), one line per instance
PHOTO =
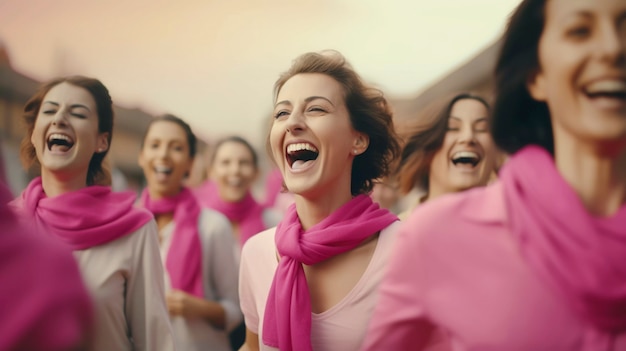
162,169
299,147
60,137
607,86
466,154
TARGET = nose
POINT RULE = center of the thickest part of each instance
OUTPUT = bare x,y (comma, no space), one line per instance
612,43
295,122
467,135
59,118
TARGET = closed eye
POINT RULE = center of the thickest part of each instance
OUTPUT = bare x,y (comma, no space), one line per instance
281,114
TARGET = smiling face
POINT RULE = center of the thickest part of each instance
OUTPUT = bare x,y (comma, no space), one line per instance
312,139
165,158
233,170
65,134
467,156
582,73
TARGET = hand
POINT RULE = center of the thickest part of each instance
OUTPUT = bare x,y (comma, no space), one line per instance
180,303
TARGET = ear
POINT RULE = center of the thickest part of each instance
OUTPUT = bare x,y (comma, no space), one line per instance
360,143
536,85
102,142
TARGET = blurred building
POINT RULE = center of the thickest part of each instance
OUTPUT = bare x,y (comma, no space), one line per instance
16,88
475,75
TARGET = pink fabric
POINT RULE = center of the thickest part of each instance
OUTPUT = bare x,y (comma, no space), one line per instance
184,258
580,254
84,218
247,213
287,320
45,305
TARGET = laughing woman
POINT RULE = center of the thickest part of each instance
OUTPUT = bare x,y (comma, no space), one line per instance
534,261
69,128
310,283
450,150
196,244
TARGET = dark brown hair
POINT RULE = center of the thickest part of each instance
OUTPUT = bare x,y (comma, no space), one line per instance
235,139
96,173
191,137
368,110
425,139
517,119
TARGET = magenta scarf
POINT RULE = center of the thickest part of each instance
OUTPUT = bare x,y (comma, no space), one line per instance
287,321
184,257
84,218
581,255
247,213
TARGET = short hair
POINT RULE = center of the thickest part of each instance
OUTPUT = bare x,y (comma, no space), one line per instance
426,139
518,119
369,114
96,173
191,137
239,140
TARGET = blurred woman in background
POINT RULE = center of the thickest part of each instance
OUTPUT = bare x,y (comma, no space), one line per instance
450,150
196,244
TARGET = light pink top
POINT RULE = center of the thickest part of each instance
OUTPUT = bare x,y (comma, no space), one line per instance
340,328
456,265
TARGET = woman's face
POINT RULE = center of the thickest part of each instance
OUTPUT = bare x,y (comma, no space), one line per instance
65,134
582,73
233,170
312,138
467,156
165,158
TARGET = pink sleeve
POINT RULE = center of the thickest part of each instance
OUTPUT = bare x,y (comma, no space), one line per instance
399,321
45,305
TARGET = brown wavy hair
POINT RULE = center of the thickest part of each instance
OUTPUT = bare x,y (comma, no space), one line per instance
369,114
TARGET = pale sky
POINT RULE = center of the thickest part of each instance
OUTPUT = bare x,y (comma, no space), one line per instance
214,62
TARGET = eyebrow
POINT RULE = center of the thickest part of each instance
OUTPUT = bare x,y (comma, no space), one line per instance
71,106
476,121
309,99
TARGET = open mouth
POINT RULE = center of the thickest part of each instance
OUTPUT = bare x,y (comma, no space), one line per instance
299,154
611,89
59,142
466,158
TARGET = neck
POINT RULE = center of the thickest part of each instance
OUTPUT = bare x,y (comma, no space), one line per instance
598,175
312,211
434,191
55,184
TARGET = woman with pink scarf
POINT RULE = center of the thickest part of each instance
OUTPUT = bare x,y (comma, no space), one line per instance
69,128
196,244
535,261
233,168
310,283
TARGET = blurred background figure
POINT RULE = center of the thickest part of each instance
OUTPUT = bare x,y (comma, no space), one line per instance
386,193
69,128
449,150
196,244
45,306
277,196
233,169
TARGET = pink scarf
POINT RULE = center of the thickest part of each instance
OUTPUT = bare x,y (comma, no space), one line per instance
287,321
247,212
184,258
581,255
91,216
